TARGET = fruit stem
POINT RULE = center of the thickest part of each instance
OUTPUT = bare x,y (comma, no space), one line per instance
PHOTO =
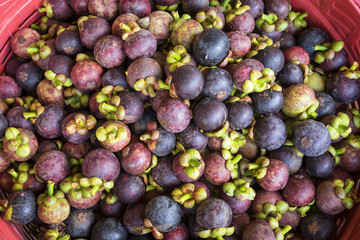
50,188
13,173
225,3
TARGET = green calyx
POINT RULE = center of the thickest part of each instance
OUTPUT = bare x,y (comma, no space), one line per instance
50,197
327,51
148,85
58,80
310,111
168,8
314,78
258,44
35,111
178,20
281,232
54,234
75,98
109,198
240,189
151,184
110,102
188,195
18,142
153,163
75,165
259,81
80,124
339,126
355,117
231,144
351,72
177,57
298,19
190,160
224,7
111,133
343,190
81,20
151,136
209,19
47,9
259,168
335,154
129,29
270,22
21,176
354,141
236,11
216,233
39,50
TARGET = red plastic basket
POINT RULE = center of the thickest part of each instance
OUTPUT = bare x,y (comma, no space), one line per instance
340,18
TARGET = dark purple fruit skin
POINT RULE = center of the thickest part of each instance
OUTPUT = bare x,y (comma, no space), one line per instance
287,40
15,118
341,58
299,191
6,182
52,165
179,233
116,209
289,157
291,218
109,51
250,150
271,57
129,188
327,105
164,213
240,221
192,137
48,94
86,75
290,74
210,114
237,207
28,75
163,174
114,77
92,30
79,222
84,203
262,197
240,115
311,138
350,160
276,176
12,65
135,158
296,53
188,82
274,35
69,43
215,169
61,9
9,88
267,102
270,132
142,68
193,6
48,124
160,96
217,84
321,166
140,8
257,7
326,199
243,22
179,170
242,71
32,184
75,137
23,203
23,39
4,161
280,7
109,228
342,89
258,229
173,115
141,44
79,6
240,43
139,127
73,150
45,145
210,47
318,226
133,105
159,25
165,143
101,163
94,107
134,217
310,37
104,9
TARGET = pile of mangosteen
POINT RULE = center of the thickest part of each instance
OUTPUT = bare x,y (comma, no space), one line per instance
168,119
